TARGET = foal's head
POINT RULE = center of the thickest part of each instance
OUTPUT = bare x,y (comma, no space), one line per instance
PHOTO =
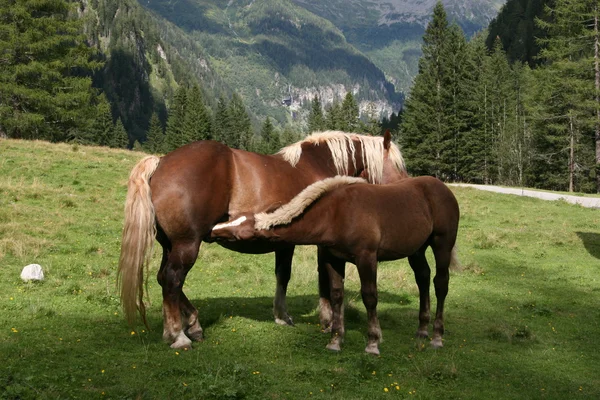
392,170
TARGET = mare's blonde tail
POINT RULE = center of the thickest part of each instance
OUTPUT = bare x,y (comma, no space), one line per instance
139,232
454,263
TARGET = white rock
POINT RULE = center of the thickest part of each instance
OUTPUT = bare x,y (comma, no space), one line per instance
32,272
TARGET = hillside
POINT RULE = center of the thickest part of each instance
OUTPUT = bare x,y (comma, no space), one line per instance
389,32
277,54
271,51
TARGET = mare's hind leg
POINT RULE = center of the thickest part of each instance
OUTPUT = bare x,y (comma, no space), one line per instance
443,257
171,277
324,263
283,272
419,265
367,270
191,323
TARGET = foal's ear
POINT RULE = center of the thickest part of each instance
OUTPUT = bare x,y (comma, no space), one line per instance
387,139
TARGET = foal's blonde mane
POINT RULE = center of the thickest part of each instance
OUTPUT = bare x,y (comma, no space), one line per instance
287,212
341,145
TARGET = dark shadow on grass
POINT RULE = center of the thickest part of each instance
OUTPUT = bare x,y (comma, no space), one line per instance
303,309
591,241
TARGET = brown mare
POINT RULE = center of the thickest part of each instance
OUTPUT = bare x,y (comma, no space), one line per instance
360,223
178,198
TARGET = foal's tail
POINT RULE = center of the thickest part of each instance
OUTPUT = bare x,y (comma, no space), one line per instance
139,232
454,263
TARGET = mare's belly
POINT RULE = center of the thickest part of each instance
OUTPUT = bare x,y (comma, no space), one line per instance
252,247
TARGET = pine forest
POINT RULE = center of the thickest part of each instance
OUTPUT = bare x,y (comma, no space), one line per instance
515,104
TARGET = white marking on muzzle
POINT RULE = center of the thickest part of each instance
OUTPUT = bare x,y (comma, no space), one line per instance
235,222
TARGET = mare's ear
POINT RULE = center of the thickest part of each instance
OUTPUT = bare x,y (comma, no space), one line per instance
387,139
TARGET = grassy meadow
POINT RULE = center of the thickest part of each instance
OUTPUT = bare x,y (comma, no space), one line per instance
522,316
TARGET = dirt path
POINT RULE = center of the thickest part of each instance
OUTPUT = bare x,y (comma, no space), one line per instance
590,202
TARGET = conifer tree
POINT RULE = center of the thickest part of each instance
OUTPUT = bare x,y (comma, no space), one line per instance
45,92
176,136
572,94
120,140
222,123
458,86
333,117
499,105
270,138
241,125
425,125
289,136
475,154
316,120
197,122
156,137
103,126
349,114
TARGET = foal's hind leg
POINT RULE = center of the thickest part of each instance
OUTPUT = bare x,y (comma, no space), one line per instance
443,257
419,265
367,270
283,272
324,263
171,277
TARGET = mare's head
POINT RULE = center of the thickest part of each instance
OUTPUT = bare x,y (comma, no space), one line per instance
392,168
333,153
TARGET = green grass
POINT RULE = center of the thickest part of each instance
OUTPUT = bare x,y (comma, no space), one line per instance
522,316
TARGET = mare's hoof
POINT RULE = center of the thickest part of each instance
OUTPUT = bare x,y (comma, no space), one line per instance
287,320
437,343
422,334
372,349
334,347
196,336
182,342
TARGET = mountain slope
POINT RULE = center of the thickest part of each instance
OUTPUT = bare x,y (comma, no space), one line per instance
389,31
269,51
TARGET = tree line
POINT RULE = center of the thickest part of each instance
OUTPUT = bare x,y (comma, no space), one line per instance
473,116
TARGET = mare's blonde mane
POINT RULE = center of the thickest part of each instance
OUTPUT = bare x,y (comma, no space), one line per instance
287,212
342,148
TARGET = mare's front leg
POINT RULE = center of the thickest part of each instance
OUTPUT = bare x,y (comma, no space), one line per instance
283,273
367,270
176,264
324,263
336,272
419,265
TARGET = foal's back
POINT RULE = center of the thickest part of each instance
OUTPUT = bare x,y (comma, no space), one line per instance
397,219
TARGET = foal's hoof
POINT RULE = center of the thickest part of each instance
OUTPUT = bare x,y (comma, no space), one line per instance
436,343
286,320
326,328
372,349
